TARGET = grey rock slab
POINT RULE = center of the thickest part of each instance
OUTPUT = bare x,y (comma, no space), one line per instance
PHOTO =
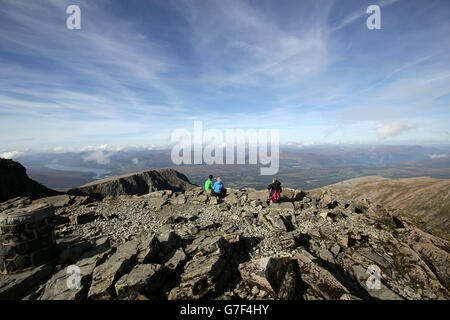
105,275
384,293
144,278
16,286
275,275
320,280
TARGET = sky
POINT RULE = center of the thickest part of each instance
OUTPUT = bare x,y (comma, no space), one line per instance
138,70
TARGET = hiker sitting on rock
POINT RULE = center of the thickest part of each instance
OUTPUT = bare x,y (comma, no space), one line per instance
275,190
208,183
218,189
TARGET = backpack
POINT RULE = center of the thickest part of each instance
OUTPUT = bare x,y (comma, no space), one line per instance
276,196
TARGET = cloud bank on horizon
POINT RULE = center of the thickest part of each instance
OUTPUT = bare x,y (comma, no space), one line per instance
138,70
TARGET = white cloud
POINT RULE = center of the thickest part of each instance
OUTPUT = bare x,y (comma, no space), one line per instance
99,156
135,160
393,129
438,156
11,154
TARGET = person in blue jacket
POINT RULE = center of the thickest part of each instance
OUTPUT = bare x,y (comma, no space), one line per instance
218,188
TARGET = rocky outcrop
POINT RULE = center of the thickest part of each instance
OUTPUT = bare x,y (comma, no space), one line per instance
14,182
422,198
188,245
135,184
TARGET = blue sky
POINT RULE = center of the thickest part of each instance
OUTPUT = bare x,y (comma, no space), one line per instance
137,70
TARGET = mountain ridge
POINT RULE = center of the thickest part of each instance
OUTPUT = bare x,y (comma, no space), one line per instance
15,182
425,198
137,183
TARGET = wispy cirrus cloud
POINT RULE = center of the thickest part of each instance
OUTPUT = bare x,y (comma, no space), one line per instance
135,71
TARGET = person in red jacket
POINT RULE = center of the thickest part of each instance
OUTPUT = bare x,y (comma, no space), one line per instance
275,190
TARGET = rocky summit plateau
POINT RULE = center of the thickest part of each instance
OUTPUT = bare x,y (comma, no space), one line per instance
156,236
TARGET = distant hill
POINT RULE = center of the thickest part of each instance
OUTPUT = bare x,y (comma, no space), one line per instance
135,184
425,198
14,182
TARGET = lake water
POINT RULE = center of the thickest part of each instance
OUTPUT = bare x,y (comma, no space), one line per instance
99,173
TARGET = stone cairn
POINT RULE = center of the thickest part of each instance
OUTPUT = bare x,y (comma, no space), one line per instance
26,238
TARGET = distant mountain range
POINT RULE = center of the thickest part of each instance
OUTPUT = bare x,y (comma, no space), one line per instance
305,167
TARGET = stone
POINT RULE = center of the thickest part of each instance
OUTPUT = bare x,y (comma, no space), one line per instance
156,194
326,255
16,286
180,199
261,196
208,272
83,218
384,293
200,198
273,221
214,200
168,240
193,230
57,287
255,290
105,275
148,250
223,206
176,260
143,279
57,202
26,238
283,206
156,202
277,276
320,280
255,203
324,214
347,296
335,249
232,199
72,252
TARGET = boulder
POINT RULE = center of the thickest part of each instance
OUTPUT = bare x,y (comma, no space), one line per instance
262,195
83,218
383,293
16,286
175,261
208,272
105,275
143,279
168,240
282,206
156,203
148,250
277,276
57,288
71,252
274,221
320,281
